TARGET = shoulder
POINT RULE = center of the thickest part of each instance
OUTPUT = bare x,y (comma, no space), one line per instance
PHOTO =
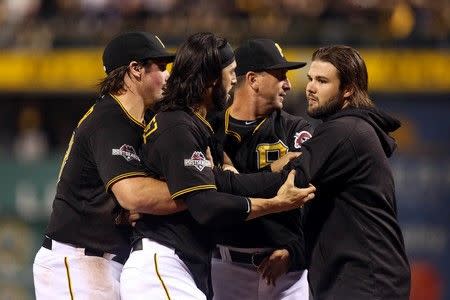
343,127
106,113
293,125
170,119
216,119
289,119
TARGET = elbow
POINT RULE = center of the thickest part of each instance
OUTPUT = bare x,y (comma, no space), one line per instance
205,219
130,201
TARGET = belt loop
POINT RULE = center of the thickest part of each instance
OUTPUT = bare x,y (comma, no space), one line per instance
224,253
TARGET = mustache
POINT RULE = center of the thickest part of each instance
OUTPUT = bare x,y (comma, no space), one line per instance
309,95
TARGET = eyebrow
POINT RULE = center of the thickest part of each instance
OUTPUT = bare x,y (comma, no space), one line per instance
318,77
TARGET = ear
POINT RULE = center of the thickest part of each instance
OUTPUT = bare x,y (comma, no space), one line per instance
348,91
135,69
252,79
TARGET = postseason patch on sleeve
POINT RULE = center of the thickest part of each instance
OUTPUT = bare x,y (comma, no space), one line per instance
300,138
127,152
198,161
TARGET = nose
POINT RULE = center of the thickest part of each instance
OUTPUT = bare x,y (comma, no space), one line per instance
233,79
287,85
310,87
166,75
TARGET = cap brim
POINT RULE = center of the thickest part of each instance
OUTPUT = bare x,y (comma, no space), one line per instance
289,65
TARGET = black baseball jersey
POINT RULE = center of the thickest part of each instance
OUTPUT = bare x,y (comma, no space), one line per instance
103,149
253,146
174,149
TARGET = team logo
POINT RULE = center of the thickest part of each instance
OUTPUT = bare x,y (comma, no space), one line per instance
300,138
198,161
127,152
279,49
160,41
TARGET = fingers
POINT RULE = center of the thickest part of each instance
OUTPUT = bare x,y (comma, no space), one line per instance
310,189
293,155
291,177
227,167
134,217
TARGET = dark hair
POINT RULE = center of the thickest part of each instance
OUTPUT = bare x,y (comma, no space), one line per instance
114,82
352,72
197,65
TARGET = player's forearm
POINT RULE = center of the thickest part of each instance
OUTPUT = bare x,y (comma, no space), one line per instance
261,207
146,195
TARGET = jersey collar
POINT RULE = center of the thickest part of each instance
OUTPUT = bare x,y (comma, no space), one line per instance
126,112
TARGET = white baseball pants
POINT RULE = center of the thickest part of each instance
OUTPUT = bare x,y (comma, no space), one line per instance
156,272
65,272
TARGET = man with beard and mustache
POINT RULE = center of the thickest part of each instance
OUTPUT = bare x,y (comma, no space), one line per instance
354,244
263,257
171,255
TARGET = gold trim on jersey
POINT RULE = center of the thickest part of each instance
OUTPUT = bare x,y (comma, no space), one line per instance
227,122
126,112
150,128
66,263
90,110
122,176
69,147
203,120
159,276
259,125
194,188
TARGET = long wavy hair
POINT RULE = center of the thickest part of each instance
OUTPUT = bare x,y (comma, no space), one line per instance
352,72
196,67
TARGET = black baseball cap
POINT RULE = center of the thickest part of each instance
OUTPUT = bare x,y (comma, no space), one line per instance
260,55
137,46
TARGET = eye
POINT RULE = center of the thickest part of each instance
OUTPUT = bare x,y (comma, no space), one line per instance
162,67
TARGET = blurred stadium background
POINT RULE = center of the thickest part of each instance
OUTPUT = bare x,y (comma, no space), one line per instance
50,62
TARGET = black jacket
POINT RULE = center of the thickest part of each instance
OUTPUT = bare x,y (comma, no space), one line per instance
354,244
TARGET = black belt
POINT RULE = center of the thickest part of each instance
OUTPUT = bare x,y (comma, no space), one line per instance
254,259
47,243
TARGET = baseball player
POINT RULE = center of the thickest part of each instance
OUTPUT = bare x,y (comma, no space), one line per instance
171,254
255,133
84,248
353,240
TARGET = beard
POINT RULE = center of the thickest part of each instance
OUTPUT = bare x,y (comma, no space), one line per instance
219,98
332,106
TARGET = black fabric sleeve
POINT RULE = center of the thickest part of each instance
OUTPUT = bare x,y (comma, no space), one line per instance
319,164
296,244
262,184
115,152
216,209
299,132
182,160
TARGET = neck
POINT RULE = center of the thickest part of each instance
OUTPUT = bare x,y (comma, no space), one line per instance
133,104
246,106
202,111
